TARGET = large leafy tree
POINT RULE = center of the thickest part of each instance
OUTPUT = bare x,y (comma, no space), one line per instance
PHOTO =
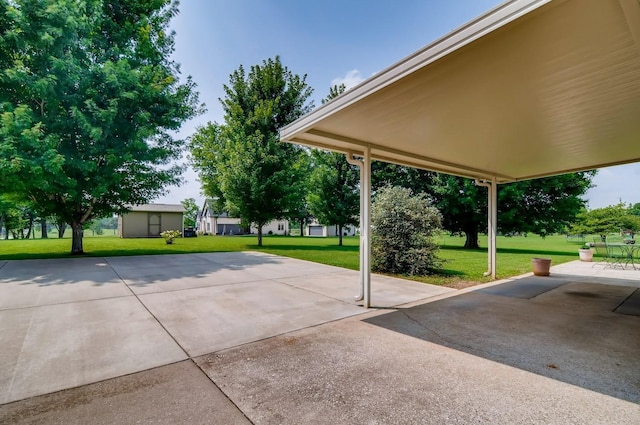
242,160
89,99
334,197
541,206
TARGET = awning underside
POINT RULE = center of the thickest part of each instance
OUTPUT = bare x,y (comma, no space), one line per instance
532,89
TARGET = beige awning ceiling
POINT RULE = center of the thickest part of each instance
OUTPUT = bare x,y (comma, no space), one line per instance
531,89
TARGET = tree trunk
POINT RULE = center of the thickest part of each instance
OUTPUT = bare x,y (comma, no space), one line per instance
43,229
339,234
302,227
76,238
472,239
260,234
62,226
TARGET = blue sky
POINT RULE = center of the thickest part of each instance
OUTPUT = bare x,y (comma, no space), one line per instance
331,42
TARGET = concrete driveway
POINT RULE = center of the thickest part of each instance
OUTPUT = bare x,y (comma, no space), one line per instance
254,338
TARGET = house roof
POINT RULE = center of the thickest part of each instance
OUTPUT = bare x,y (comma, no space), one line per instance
176,208
531,89
208,211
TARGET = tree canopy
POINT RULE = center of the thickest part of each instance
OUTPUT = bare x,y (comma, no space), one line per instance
89,99
245,163
610,219
540,206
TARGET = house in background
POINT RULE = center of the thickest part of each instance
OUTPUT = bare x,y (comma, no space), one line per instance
149,220
213,222
316,229
274,227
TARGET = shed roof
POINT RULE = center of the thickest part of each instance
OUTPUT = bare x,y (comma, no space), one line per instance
176,208
531,89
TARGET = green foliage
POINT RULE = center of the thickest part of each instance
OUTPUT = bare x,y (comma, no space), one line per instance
16,216
243,161
89,103
541,206
170,235
403,227
610,219
191,212
334,196
334,91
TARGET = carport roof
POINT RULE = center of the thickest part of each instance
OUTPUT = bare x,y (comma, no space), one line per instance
531,89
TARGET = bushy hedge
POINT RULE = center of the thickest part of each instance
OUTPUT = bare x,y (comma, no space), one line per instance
403,226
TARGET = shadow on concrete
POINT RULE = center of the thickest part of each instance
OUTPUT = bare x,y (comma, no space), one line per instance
142,270
563,329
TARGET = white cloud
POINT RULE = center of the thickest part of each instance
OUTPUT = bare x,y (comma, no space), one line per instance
350,79
614,185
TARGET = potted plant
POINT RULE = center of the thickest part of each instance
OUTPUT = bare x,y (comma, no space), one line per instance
586,253
541,266
170,235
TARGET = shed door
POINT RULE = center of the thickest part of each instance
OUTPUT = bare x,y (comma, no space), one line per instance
315,230
154,224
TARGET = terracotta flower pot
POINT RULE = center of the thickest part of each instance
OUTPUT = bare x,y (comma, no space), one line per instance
586,255
541,266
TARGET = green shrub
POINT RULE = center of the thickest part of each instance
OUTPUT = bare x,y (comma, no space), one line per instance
403,226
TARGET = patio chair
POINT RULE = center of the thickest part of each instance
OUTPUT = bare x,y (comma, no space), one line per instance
618,254
602,252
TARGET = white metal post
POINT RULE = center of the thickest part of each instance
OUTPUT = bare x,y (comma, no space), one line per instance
492,223
359,163
365,226
493,229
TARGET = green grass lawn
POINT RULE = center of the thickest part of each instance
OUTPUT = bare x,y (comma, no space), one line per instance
461,265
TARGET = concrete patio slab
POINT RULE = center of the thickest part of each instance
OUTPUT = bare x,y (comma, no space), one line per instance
597,273
562,334
289,345
365,371
526,288
60,287
282,268
209,319
173,394
27,268
631,305
386,291
146,280
49,348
